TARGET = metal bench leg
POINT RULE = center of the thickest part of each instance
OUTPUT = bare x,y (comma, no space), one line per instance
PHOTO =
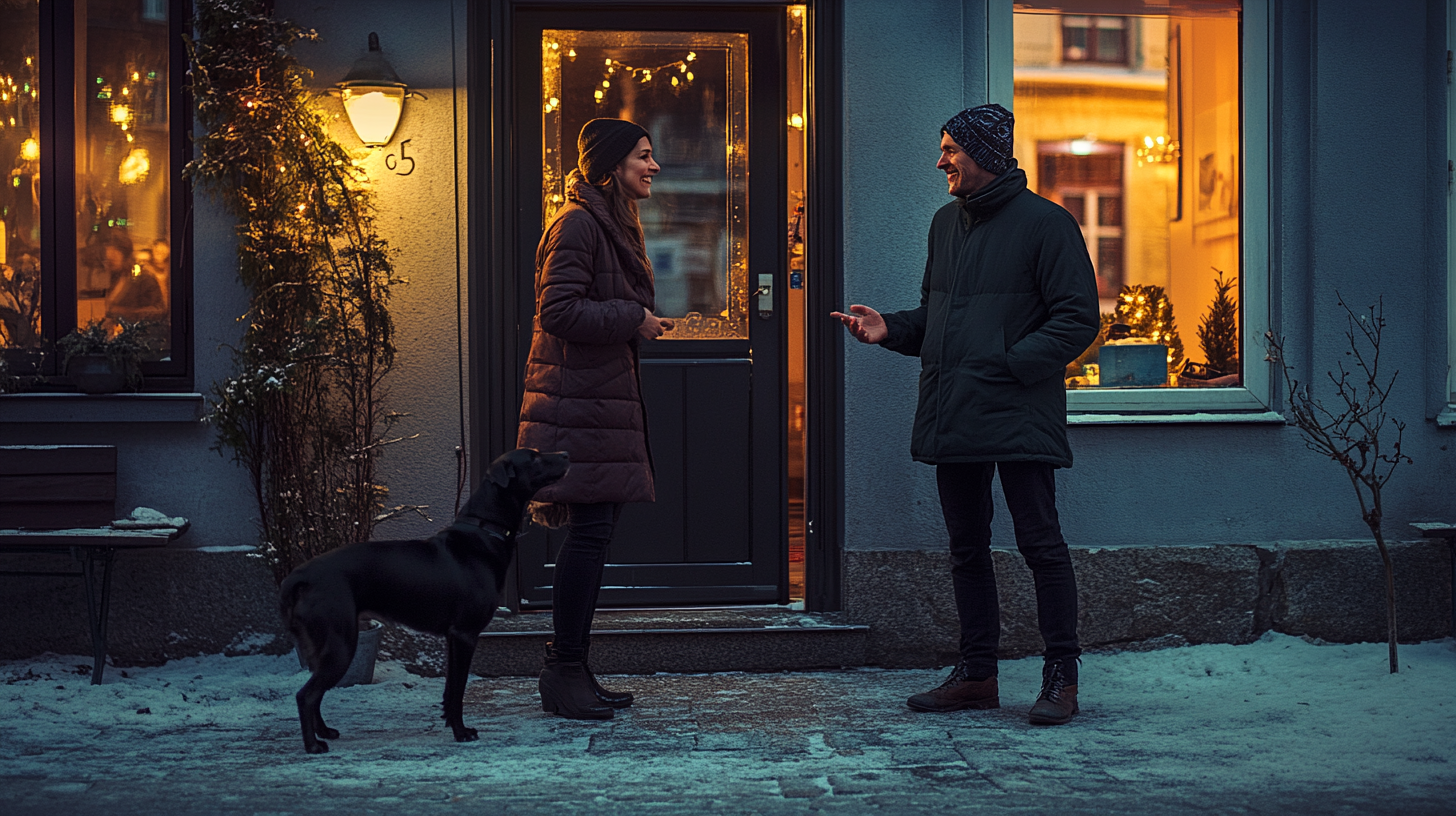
97,616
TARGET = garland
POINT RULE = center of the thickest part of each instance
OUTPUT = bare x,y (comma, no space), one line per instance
303,412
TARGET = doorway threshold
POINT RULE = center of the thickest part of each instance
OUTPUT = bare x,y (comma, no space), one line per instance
646,641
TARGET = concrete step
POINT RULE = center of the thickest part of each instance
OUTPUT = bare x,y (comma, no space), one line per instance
644,641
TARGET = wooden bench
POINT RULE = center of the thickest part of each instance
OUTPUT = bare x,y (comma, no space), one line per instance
61,499
1447,531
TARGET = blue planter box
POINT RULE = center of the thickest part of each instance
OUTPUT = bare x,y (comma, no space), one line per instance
1134,364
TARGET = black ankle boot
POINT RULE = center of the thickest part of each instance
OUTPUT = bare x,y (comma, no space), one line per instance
566,689
607,697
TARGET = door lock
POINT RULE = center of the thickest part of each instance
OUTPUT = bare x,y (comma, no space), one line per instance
764,293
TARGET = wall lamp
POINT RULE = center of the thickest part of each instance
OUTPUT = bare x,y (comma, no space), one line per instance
373,96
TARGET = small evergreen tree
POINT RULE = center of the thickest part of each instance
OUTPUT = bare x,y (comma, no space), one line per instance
1218,334
1148,312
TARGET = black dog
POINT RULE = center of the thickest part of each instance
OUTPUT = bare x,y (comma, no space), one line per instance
446,585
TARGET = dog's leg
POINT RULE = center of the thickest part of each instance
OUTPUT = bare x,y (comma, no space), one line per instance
459,649
333,652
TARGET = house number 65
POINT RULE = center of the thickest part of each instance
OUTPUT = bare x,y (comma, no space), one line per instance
391,162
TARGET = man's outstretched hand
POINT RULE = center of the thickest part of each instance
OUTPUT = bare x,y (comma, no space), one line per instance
865,323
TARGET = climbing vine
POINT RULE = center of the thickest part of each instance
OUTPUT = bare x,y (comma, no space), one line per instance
304,411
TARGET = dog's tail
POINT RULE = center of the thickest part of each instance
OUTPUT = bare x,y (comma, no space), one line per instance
288,594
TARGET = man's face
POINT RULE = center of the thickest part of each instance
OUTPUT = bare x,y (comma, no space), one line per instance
963,176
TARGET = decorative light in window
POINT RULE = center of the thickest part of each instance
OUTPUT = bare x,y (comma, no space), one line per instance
135,167
29,150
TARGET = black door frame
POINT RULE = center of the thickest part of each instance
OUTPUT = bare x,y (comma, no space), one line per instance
496,291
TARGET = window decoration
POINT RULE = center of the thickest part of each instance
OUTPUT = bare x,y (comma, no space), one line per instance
1119,104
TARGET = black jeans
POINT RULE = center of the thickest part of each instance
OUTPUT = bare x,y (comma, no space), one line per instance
578,575
965,499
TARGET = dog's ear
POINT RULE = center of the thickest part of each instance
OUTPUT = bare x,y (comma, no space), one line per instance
502,471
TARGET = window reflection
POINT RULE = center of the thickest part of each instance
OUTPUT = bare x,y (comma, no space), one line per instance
1131,110
123,167
20,256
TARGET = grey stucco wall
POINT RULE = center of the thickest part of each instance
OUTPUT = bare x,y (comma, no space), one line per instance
421,214
1356,114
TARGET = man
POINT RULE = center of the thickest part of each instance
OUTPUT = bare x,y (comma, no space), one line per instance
1008,300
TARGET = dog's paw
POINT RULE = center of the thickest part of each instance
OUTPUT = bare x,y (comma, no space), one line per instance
317,748
327,733
463,734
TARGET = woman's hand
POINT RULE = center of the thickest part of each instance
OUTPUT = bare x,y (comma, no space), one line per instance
653,326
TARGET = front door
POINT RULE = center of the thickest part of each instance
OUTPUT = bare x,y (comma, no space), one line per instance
709,87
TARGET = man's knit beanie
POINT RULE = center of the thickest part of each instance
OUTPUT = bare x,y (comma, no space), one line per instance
984,132
603,144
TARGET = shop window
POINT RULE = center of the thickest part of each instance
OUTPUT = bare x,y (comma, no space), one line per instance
1136,114
88,96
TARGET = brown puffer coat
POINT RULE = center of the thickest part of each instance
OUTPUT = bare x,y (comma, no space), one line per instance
583,389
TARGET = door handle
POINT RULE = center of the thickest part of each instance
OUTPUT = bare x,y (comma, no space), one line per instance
764,293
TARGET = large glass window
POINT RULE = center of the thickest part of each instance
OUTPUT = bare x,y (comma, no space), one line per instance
87,93
1133,112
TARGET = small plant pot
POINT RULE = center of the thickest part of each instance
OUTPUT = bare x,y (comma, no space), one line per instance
96,374
361,668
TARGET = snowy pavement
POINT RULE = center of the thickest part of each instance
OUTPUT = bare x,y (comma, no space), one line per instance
1280,726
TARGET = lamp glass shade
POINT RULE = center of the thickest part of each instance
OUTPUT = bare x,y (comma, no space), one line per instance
374,111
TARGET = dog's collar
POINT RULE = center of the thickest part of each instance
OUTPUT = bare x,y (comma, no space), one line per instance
499,531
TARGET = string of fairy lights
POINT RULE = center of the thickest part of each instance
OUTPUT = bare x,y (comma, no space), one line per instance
678,72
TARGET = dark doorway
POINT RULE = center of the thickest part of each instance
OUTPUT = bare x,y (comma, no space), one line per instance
709,85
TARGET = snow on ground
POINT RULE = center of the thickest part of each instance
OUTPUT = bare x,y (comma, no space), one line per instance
1273,714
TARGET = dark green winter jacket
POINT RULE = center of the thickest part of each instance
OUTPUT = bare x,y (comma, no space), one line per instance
1009,299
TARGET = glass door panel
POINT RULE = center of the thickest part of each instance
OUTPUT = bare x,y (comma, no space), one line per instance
690,91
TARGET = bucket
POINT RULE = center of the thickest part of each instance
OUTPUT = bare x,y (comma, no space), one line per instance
361,668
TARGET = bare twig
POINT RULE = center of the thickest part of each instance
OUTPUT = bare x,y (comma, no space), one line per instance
1350,432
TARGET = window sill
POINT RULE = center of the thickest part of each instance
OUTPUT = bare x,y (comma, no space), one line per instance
144,407
1194,418
1447,417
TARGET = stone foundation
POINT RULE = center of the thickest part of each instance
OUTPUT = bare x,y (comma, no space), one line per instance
1144,597
176,603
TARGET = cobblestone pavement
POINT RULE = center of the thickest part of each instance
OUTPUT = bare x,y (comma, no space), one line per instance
836,742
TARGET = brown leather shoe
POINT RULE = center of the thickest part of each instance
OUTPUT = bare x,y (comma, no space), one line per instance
1057,703
957,693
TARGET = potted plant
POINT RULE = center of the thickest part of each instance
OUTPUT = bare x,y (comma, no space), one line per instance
105,357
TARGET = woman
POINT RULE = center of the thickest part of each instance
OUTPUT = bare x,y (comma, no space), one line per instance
594,304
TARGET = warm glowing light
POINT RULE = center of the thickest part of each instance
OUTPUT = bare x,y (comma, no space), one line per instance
796,121
135,167
120,114
1084,147
374,112
30,150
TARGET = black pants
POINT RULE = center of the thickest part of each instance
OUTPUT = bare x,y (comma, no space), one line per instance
578,575
965,499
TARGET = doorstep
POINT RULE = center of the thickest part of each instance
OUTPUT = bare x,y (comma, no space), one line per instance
644,641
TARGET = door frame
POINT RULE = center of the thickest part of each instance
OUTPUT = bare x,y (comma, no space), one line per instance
495,294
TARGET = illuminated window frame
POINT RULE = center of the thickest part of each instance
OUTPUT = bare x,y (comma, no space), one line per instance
1252,399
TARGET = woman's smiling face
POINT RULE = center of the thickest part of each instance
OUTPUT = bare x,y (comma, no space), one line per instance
635,172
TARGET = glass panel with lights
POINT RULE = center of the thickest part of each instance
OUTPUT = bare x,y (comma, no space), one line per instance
20,239
690,91
1128,114
123,196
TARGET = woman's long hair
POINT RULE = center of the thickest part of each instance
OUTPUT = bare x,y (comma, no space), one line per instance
624,210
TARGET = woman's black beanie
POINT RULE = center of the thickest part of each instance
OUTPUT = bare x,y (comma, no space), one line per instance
603,144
